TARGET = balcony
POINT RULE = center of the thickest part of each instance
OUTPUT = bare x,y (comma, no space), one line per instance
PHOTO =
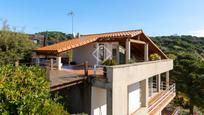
159,100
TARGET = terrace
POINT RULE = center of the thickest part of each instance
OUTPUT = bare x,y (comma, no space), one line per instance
161,99
89,51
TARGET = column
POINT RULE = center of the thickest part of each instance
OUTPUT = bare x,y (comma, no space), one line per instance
158,77
97,54
59,64
109,102
146,52
144,93
167,80
37,61
151,86
127,54
118,54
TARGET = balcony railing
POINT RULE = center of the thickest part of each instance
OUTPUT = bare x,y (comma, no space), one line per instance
170,92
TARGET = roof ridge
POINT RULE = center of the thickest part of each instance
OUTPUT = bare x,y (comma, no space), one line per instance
112,32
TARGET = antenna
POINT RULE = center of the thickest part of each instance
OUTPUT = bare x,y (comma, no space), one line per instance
71,13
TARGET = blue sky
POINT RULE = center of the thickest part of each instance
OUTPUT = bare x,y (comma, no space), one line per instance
155,17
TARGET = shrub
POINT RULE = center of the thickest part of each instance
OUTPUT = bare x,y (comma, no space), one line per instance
155,56
109,62
25,90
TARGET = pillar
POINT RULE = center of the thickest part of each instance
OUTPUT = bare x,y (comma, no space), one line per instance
118,54
167,80
59,64
144,92
109,102
97,54
37,61
151,86
146,52
128,50
158,78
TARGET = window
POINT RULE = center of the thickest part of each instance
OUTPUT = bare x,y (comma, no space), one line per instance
101,52
114,53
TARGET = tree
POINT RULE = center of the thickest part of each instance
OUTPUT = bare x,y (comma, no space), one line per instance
24,91
14,46
55,37
188,74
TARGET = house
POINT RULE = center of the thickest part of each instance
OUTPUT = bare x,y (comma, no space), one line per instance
136,85
38,39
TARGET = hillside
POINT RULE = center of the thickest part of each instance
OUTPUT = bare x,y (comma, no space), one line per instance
181,44
188,72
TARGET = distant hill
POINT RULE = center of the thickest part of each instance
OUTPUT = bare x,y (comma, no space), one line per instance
181,44
55,36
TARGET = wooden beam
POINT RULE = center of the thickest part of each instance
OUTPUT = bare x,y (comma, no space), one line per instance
137,41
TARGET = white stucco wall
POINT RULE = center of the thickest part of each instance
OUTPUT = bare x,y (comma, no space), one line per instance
98,101
122,76
84,53
134,95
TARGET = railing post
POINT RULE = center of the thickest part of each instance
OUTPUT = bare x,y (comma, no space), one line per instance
86,68
158,77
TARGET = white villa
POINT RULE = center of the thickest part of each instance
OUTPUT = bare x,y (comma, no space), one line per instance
135,84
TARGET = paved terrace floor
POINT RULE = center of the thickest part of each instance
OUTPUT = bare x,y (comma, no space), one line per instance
69,76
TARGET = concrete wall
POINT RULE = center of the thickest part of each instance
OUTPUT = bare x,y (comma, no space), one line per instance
98,101
134,97
77,98
122,76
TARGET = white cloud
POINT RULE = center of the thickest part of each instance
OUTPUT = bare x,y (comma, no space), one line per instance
199,33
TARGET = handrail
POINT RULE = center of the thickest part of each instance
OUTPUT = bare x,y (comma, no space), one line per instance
176,111
170,90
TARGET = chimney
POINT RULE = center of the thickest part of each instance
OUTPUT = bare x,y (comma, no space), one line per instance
78,35
45,39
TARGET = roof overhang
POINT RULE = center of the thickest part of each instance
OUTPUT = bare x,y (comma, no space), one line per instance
133,35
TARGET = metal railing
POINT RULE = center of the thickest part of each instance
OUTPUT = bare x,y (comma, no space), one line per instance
153,87
170,91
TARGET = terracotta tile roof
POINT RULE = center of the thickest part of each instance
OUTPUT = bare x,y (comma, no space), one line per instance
83,40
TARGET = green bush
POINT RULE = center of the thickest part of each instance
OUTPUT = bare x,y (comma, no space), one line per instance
109,62
25,90
155,56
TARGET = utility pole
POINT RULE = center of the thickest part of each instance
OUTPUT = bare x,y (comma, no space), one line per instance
72,15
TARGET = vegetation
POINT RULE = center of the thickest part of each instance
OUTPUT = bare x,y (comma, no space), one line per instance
109,62
14,46
25,90
188,73
154,56
55,37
